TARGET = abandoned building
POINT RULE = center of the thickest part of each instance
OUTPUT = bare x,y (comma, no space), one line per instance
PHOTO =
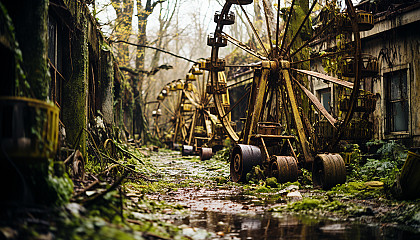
84,80
390,50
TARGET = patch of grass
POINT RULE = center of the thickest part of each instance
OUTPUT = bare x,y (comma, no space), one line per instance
318,207
358,190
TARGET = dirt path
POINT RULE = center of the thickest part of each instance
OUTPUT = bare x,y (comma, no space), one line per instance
226,210
184,198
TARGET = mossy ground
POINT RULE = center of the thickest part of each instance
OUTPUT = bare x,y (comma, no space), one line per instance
180,187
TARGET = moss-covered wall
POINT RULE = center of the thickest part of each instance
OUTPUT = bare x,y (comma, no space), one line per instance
74,106
75,92
107,85
30,20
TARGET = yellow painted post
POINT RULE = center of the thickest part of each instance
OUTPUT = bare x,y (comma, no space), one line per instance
296,116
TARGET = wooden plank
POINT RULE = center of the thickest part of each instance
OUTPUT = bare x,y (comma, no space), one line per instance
318,105
326,78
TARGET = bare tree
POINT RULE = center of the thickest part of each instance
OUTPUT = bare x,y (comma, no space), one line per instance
123,28
143,12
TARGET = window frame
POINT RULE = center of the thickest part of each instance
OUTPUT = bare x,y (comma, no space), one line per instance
387,128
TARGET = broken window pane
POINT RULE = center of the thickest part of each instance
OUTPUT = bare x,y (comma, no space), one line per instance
400,110
326,100
396,101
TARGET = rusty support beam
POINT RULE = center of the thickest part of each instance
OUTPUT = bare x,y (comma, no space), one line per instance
298,121
192,127
258,104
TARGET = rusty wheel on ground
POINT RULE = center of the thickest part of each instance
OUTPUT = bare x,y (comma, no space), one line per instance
76,164
284,168
243,159
205,153
283,115
328,170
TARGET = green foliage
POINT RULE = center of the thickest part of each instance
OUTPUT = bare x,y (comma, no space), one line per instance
255,175
220,180
271,182
394,151
407,213
305,179
60,186
311,206
222,155
22,87
154,140
386,168
333,65
378,169
358,189
305,204
353,154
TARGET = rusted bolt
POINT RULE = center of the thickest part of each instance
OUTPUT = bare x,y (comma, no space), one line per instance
285,64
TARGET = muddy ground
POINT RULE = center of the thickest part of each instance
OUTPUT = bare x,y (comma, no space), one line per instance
178,197
266,210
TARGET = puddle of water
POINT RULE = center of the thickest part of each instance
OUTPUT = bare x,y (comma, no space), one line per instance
236,216
274,226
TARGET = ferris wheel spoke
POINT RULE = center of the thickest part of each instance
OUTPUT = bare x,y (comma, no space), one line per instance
321,56
242,46
237,83
192,126
207,97
317,104
253,28
287,24
268,99
245,65
191,98
285,108
168,109
313,37
237,103
199,87
301,25
202,83
266,13
326,78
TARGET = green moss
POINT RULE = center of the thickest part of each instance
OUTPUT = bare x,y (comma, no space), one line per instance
22,87
61,188
305,204
74,104
31,32
255,174
317,207
358,190
271,182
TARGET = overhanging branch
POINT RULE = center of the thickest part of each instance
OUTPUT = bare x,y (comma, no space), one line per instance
137,72
158,49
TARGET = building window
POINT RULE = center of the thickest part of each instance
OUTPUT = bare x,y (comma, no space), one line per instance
325,98
55,58
396,100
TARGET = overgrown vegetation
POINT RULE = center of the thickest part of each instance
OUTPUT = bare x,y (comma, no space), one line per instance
390,159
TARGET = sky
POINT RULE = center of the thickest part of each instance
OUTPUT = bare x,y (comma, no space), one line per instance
205,7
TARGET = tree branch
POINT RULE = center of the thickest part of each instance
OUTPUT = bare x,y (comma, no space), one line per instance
137,72
158,49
